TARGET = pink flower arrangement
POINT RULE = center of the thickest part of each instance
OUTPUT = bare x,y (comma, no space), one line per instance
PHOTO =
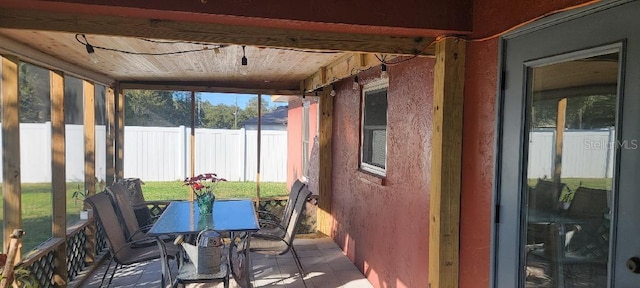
203,184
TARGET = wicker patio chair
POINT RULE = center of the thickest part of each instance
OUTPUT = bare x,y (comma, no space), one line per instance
122,251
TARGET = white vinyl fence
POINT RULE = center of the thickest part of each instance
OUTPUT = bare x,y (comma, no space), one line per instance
35,152
585,153
162,154
159,153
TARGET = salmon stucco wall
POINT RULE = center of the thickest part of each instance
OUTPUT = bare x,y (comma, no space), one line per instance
294,136
490,17
294,142
382,224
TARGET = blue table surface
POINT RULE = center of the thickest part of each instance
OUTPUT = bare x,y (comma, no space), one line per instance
182,217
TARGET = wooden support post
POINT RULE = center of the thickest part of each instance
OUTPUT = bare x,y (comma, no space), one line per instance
258,152
58,173
560,123
111,130
446,164
325,162
89,137
192,141
11,189
88,90
119,133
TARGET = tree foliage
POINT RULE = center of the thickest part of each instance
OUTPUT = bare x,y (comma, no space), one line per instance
33,86
170,109
156,108
585,112
142,107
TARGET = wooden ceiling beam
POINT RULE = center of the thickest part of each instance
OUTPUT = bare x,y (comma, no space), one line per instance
248,87
25,18
343,67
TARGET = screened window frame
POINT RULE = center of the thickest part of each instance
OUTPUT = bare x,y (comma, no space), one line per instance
372,87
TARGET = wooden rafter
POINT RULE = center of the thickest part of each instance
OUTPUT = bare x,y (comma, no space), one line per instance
344,67
212,32
247,87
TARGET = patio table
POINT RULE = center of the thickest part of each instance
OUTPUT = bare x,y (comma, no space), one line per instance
233,216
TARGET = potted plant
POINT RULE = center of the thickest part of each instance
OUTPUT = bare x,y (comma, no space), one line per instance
80,195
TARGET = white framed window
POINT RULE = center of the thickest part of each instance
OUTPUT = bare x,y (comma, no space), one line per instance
373,133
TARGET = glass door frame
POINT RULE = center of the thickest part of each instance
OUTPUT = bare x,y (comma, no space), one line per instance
518,49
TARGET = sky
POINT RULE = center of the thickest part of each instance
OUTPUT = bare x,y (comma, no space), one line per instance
230,99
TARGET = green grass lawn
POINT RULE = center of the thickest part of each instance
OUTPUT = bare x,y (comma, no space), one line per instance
175,190
37,202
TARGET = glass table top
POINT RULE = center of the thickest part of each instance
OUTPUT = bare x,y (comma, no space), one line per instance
182,217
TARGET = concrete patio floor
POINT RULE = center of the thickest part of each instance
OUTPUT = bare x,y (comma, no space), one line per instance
325,264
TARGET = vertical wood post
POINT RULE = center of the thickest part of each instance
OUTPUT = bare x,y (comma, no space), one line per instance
89,137
58,174
325,162
259,136
11,189
446,164
560,123
111,129
88,91
192,142
119,133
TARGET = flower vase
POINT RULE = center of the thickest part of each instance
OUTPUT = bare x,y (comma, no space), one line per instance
205,203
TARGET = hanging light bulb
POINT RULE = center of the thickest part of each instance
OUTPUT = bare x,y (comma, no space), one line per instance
90,50
383,71
92,53
244,69
356,83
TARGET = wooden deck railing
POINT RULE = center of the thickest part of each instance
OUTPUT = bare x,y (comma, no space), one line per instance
83,242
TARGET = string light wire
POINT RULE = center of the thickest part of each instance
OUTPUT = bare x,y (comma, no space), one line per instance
82,39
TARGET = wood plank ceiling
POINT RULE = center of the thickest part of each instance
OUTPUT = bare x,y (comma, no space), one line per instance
49,27
272,67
